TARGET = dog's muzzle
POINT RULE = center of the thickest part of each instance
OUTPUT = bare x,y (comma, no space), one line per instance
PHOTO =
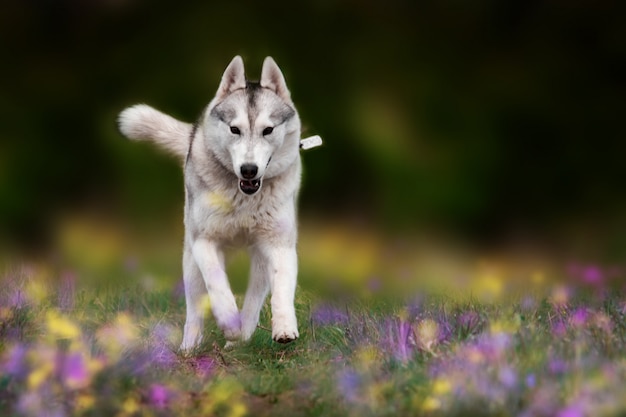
249,186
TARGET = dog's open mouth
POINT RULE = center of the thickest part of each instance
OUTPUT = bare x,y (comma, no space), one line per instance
249,186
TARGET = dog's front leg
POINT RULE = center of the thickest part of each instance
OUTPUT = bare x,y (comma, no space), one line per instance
195,291
282,268
210,261
258,287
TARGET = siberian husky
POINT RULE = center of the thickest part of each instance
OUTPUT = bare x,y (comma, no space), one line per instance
242,175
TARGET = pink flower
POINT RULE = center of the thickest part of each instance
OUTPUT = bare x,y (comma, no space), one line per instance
74,370
593,275
579,317
571,411
202,365
159,396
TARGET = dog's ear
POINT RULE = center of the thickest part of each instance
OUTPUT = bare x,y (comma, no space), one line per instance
272,78
233,79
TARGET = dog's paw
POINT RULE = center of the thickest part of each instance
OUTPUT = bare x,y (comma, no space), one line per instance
285,335
231,344
192,338
284,328
232,334
230,324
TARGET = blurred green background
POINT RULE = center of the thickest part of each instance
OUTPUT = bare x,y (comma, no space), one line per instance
489,121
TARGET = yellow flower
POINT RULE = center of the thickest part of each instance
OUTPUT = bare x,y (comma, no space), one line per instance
225,393
431,404
510,325
43,363
427,332
119,335
538,277
489,286
39,375
5,313
403,314
366,356
441,386
36,291
84,402
130,405
61,327
238,410
95,365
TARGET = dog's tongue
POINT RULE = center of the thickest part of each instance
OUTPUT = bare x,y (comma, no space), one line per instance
249,186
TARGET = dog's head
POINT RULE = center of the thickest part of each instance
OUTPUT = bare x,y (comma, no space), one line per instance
253,126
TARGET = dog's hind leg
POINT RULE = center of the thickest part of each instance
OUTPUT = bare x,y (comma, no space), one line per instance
210,260
258,287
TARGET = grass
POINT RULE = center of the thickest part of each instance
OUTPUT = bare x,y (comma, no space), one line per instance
69,351
386,329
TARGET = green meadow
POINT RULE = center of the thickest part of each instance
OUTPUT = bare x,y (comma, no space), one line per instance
434,335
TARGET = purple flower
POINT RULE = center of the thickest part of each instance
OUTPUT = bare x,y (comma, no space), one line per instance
469,323
163,356
15,363
348,384
159,396
325,315
531,380
507,377
74,370
17,299
398,339
557,366
593,275
559,328
161,352
203,365
587,274
573,410
579,317
498,343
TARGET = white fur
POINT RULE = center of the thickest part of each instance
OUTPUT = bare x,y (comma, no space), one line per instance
142,122
218,213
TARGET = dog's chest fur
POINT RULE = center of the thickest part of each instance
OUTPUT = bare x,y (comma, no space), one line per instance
215,207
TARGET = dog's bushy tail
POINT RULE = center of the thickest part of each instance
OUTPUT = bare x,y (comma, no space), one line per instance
142,122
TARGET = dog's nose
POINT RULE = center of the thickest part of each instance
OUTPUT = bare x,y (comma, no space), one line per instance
248,171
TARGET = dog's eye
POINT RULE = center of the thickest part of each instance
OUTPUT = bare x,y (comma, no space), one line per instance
235,130
268,131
